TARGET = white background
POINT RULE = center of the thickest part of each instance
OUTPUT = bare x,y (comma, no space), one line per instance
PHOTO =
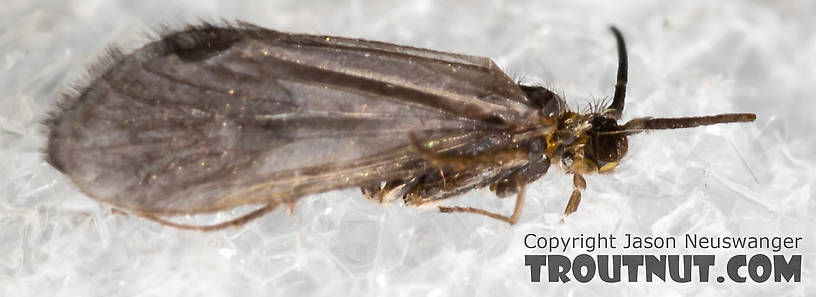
686,58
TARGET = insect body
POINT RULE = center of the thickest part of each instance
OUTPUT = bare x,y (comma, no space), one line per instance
214,117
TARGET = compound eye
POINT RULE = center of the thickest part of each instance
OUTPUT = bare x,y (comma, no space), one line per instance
605,148
610,148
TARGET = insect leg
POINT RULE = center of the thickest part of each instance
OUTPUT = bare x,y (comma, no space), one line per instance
531,172
579,183
231,223
512,219
508,185
459,163
511,170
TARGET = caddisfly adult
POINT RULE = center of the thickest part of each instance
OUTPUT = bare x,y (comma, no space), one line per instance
211,117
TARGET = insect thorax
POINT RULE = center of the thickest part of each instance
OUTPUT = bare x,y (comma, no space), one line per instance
578,146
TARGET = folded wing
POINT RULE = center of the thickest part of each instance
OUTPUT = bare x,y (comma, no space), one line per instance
210,118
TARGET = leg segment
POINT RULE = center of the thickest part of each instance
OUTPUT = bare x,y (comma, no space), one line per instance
231,223
508,185
506,158
507,171
579,183
512,219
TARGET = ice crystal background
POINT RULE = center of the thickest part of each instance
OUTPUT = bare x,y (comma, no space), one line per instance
686,58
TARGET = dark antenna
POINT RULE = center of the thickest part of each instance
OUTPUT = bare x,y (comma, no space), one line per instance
616,108
688,122
642,124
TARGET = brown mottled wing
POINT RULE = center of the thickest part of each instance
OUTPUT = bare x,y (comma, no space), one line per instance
211,118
